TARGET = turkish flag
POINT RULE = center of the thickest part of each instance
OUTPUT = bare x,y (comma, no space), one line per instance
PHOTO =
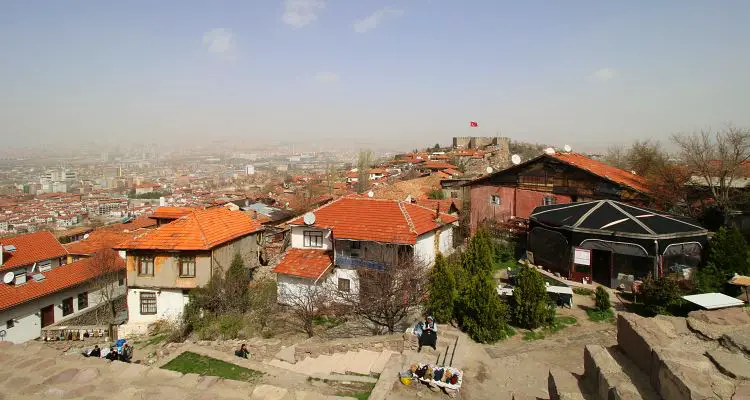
473,124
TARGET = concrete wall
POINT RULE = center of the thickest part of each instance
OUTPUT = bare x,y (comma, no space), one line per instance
170,304
27,316
298,237
513,203
290,287
445,240
425,249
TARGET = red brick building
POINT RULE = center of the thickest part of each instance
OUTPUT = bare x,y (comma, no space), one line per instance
549,179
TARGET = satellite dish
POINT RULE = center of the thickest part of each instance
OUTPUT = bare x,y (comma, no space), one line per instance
489,170
370,194
309,218
549,151
9,277
515,159
633,172
86,236
567,148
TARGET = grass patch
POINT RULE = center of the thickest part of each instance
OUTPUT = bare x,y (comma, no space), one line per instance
189,362
327,322
557,325
599,316
156,339
583,291
361,391
532,335
567,320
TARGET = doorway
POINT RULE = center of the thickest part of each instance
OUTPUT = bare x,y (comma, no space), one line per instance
601,267
48,315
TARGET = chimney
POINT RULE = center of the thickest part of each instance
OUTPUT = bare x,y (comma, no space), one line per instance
2,255
437,213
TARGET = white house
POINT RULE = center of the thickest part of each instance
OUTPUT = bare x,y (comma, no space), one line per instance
331,243
165,263
43,289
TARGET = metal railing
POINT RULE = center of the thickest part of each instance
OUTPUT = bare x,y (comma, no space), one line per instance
354,262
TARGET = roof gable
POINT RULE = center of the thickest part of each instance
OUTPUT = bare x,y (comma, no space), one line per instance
30,248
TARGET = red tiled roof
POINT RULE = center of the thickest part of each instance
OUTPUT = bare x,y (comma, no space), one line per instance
199,230
304,263
167,212
378,220
60,278
97,240
438,165
134,225
605,171
31,248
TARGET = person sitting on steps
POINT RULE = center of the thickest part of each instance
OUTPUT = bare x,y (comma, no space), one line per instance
426,331
242,352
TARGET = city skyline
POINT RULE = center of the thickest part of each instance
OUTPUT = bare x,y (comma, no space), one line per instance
401,74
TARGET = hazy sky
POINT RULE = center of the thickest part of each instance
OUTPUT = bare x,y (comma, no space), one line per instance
403,72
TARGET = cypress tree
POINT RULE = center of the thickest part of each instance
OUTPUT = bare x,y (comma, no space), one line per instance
442,291
530,307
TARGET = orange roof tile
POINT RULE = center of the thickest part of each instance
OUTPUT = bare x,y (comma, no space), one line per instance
605,171
97,240
141,222
378,220
60,278
30,248
167,212
438,165
199,230
304,263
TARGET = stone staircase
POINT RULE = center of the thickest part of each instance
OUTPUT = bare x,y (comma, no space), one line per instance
361,362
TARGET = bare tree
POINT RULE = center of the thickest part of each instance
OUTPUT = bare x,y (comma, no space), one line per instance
385,297
645,157
616,156
305,303
107,268
716,158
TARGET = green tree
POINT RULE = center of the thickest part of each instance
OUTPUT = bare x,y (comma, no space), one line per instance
660,294
479,310
601,299
237,285
436,194
530,307
728,254
441,289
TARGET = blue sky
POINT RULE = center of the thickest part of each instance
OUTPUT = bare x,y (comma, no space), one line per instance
399,72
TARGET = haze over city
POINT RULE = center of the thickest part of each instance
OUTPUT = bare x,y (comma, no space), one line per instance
392,74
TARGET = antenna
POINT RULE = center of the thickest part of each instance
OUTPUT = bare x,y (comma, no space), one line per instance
9,277
370,194
515,159
489,170
549,151
567,148
309,218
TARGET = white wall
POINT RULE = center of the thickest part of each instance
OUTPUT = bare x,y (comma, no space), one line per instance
290,287
170,304
446,240
424,250
298,237
28,317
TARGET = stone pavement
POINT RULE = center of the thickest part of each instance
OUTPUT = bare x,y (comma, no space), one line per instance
362,362
33,371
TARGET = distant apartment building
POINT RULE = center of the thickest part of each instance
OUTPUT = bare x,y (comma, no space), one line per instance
163,265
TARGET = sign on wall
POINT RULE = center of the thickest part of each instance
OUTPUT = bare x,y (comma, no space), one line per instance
581,256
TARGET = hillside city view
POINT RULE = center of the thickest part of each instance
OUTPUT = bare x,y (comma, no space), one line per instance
320,199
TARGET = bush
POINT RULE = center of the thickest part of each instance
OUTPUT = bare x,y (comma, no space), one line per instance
263,304
441,291
583,291
230,325
602,299
659,295
436,194
530,302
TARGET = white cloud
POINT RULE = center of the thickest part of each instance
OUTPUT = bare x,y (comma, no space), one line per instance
373,20
326,77
219,40
605,74
298,13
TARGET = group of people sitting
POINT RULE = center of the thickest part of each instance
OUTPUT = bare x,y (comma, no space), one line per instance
123,352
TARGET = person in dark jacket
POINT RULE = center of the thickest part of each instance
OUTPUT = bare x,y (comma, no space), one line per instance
242,352
427,333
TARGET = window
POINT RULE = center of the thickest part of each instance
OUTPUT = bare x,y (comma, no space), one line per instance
187,266
495,199
454,195
344,285
312,239
11,323
146,265
148,303
121,282
67,306
549,200
83,300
